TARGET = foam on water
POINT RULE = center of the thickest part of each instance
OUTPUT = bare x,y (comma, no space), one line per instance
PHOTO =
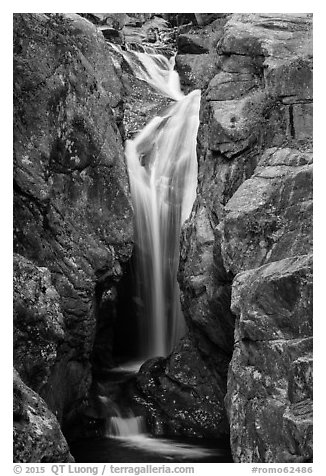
165,447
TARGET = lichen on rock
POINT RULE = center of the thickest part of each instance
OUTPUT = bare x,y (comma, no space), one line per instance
73,223
245,252
37,434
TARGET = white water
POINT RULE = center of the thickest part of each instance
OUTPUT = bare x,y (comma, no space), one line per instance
131,432
126,427
162,167
154,69
166,447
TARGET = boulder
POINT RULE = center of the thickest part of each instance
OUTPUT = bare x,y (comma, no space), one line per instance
192,43
37,434
179,396
111,34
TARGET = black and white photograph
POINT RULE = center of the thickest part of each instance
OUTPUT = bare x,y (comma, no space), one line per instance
162,241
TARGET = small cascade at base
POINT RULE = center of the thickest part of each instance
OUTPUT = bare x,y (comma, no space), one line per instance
131,431
119,427
126,437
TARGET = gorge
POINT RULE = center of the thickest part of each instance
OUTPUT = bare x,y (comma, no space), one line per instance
87,111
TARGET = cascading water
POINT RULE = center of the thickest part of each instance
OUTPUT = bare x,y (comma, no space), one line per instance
162,167
157,70
126,427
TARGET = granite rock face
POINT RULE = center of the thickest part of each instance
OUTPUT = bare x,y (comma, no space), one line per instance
72,211
38,322
250,233
269,396
37,434
270,377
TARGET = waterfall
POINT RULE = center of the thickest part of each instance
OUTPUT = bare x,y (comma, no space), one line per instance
126,427
153,68
162,167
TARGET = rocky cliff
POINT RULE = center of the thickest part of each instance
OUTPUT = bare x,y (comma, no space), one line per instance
247,248
72,213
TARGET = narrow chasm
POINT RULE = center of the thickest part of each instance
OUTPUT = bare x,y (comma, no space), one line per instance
154,382
163,238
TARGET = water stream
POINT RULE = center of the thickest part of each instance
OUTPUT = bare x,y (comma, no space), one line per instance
162,167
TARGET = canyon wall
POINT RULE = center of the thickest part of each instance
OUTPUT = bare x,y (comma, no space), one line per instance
72,211
247,247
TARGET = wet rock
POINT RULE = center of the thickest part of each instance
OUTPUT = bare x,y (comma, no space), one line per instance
197,58
37,434
146,27
112,35
151,36
185,398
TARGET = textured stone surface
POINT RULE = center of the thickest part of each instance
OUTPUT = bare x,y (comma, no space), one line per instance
192,43
271,370
251,232
72,212
38,322
270,215
264,61
197,58
180,395
37,434
195,71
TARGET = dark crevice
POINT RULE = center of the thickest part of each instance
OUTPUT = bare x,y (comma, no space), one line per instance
291,121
